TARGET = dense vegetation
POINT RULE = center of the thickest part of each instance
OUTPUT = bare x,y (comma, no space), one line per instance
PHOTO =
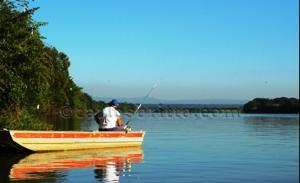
277,105
34,77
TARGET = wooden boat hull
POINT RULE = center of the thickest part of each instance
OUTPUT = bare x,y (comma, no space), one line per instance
67,140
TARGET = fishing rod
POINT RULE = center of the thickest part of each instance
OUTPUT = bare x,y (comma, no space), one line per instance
139,106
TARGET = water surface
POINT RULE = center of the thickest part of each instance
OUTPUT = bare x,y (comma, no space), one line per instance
184,148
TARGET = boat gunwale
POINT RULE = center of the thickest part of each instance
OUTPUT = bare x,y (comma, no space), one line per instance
53,131
20,134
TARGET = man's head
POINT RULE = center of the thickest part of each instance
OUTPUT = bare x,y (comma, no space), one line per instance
114,103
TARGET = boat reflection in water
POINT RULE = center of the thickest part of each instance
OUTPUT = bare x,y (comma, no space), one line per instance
108,164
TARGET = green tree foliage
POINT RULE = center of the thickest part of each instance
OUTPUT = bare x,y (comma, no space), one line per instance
277,105
32,73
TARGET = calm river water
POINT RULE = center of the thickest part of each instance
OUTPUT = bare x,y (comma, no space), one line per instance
177,148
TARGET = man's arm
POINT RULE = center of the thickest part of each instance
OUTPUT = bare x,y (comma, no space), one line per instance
119,121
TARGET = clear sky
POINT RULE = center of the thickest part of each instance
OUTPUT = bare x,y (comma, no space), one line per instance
198,49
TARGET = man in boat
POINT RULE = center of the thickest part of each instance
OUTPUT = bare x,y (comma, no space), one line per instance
111,118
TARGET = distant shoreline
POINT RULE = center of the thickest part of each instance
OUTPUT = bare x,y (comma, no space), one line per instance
221,108
190,108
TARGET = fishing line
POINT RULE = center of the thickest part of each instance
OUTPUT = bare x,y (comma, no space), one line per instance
139,106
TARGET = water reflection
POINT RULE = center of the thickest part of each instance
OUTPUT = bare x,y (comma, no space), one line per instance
285,128
262,122
107,165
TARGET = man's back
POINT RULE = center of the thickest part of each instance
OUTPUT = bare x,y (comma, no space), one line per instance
110,117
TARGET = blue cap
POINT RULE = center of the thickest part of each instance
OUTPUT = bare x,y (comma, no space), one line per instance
115,102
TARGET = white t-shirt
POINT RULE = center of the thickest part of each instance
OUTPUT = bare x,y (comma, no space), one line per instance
110,117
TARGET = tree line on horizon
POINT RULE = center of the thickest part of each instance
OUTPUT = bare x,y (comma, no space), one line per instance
281,105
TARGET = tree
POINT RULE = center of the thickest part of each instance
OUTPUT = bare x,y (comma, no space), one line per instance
32,73
277,105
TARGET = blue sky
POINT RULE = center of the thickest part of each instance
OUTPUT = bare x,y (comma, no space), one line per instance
198,49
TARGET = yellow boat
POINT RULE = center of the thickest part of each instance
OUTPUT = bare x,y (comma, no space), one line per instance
37,141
